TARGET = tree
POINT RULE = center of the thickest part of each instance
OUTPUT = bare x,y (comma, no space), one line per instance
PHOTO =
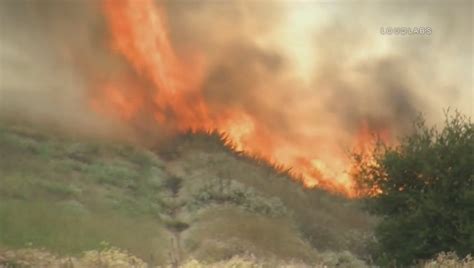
423,189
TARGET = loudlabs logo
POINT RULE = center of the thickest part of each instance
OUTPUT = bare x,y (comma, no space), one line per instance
388,30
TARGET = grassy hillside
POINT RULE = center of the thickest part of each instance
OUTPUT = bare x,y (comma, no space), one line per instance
191,198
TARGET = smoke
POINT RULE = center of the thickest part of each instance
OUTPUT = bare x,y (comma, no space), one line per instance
389,79
306,77
315,73
45,49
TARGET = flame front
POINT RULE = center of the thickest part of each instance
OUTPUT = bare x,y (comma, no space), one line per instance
138,33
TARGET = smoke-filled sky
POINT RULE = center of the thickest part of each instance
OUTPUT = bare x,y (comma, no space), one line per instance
294,81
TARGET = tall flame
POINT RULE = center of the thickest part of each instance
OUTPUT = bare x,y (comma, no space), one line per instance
139,34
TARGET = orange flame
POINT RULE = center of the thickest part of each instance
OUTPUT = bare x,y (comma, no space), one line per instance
139,33
366,142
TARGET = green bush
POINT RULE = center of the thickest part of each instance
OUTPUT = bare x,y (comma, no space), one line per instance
113,173
232,192
425,191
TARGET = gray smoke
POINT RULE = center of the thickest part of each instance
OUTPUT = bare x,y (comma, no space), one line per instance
53,52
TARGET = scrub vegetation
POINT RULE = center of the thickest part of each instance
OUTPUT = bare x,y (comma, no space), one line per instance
73,201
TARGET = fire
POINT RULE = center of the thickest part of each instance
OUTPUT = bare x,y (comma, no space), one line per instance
365,147
138,32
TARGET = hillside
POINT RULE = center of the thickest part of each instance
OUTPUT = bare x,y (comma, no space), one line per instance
192,197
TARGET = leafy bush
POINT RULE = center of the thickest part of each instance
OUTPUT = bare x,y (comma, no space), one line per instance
81,152
114,173
424,191
232,192
343,259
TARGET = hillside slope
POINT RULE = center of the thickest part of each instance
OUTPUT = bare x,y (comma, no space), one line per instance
191,198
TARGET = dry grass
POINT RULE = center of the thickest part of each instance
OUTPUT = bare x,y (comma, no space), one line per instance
117,258
449,260
110,257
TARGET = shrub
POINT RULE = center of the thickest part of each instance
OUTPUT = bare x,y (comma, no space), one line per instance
232,192
449,260
82,152
109,257
114,173
341,260
424,191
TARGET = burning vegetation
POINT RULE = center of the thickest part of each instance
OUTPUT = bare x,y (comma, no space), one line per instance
175,94
267,75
